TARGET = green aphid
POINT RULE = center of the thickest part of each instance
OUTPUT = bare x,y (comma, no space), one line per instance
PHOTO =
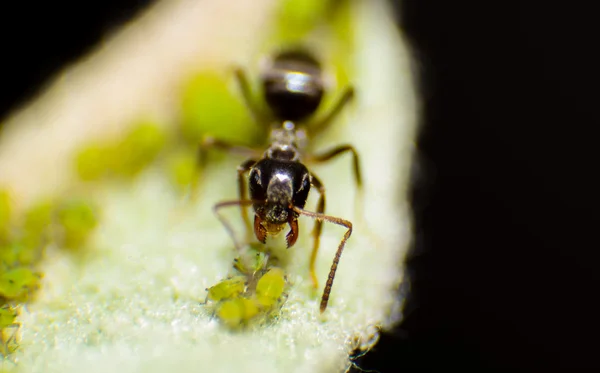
237,312
18,282
270,287
77,218
226,289
7,255
95,161
183,168
37,223
139,148
257,262
8,315
210,107
18,253
5,214
39,216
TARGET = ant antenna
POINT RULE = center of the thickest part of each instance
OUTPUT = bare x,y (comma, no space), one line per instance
338,253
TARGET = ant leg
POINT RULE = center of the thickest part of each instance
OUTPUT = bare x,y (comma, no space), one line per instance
243,193
323,123
338,253
208,143
244,84
317,229
242,203
327,156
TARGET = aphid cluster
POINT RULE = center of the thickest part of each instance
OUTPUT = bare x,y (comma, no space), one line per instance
278,182
22,241
123,157
251,295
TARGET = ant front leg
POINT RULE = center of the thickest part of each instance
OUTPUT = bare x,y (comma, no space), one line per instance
243,194
217,208
210,142
317,229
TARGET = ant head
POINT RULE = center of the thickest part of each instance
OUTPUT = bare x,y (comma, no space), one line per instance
277,186
293,85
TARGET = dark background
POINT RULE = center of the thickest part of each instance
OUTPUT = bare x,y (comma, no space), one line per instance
504,265
38,38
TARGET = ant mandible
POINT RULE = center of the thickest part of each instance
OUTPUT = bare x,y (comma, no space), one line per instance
279,182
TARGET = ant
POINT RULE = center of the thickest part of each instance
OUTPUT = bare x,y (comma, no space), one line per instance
279,182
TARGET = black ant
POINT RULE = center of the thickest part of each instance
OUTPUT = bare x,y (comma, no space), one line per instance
293,88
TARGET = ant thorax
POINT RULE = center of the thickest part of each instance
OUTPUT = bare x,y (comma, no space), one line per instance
287,142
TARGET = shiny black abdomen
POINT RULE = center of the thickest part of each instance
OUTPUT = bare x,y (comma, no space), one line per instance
293,106
293,87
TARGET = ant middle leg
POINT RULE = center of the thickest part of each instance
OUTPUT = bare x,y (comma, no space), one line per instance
330,154
208,143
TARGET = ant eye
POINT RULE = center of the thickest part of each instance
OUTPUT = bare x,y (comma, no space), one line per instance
306,183
257,191
301,194
255,177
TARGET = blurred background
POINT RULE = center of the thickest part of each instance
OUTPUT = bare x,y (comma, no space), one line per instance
503,270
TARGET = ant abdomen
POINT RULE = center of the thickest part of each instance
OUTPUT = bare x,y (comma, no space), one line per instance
293,86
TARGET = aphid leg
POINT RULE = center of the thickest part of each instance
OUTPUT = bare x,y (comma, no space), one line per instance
242,249
205,299
338,253
242,81
13,336
321,124
243,194
317,229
